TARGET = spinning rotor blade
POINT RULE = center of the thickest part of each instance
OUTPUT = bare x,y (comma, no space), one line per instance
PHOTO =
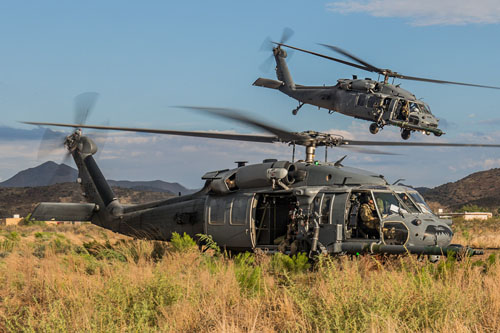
50,142
390,73
367,150
84,103
236,115
286,35
348,55
327,57
414,78
213,135
346,142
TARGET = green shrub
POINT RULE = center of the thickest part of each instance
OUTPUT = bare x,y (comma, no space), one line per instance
282,263
473,208
208,243
109,254
248,274
182,243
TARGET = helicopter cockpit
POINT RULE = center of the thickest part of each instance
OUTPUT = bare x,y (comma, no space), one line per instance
420,107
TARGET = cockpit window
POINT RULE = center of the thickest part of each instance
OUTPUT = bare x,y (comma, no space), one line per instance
408,202
387,203
420,202
419,107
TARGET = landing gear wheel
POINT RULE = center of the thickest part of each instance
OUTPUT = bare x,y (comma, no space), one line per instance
374,128
437,134
405,134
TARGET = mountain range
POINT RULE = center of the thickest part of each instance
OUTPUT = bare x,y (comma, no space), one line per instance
50,173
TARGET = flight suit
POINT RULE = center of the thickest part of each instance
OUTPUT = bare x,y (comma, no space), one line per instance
367,215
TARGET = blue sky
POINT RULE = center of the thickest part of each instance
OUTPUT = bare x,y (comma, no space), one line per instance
144,57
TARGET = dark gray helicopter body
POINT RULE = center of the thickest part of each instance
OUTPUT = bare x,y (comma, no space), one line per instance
379,102
253,206
270,205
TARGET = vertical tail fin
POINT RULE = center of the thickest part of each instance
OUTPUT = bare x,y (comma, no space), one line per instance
96,188
282,71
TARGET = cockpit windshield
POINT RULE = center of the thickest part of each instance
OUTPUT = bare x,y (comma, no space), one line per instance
420,202
419,107
408,202
387,203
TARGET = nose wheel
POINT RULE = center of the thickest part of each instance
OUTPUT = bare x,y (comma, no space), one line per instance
374,128
405,134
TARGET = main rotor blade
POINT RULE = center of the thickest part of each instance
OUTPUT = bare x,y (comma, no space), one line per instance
390,73
367,150
236,115
328,57
212,135
353,57
414,78
415,144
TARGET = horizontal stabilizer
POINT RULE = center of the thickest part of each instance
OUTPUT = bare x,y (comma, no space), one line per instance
51,211
268,83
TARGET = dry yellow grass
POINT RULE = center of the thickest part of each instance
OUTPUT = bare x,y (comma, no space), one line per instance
83,278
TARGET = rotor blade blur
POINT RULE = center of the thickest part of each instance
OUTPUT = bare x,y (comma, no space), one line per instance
267,45
353,57
286,35
236,115
416,144
414,78
50,142
328,57
212,135
84,103
266,65
367,151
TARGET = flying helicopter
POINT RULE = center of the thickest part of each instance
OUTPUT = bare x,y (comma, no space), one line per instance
380,102
289,206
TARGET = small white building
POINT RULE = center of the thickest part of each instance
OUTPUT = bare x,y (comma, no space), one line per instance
477,216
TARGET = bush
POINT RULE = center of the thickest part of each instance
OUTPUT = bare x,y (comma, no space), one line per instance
281,263
182,243
472,208
248,274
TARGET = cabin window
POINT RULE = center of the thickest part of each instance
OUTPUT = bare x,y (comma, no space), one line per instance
322,205
371,101
217,211
326,209
239,211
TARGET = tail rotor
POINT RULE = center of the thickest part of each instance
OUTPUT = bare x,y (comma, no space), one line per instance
268,45
52,141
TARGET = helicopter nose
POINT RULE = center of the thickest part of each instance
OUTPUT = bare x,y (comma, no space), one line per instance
440,234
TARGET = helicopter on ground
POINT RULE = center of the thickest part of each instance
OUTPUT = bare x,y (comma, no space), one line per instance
288,206
376,101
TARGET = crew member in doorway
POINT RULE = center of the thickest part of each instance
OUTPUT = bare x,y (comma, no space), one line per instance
368,213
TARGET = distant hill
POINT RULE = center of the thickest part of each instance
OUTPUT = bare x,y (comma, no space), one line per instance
22,200
45,174
480,188
50,173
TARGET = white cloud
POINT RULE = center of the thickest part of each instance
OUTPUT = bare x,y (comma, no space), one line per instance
425,12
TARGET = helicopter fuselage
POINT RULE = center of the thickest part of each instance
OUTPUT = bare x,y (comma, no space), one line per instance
270,205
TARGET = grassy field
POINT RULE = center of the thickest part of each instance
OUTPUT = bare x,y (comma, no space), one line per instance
84,278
